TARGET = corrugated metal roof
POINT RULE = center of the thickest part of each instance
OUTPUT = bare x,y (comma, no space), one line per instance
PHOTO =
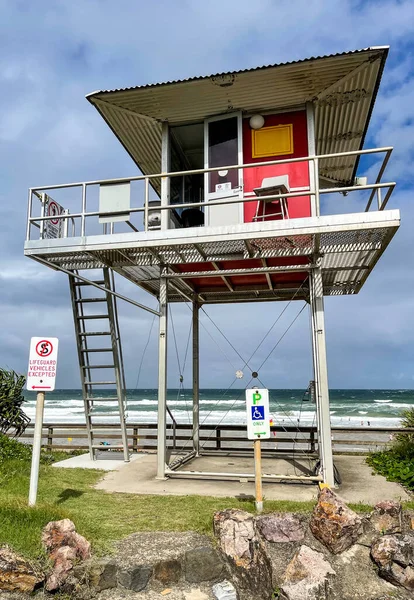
342,86
196,78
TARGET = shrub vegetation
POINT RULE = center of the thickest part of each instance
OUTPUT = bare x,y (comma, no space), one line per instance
397,462
12,416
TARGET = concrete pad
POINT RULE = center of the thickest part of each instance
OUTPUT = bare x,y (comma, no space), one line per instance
359,485
84,461
139,478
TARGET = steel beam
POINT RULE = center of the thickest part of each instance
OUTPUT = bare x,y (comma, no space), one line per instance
237,476
99,287
165,180
248,271
226,281
315,376
196,378
268,278
313,183
321,375
162,378
157,240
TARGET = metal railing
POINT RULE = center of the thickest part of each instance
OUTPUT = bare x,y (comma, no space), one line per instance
222,438
314,191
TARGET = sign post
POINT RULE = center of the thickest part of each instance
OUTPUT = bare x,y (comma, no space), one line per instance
41,376
258,427
258,475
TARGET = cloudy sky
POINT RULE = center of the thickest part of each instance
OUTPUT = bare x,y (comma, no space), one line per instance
53,52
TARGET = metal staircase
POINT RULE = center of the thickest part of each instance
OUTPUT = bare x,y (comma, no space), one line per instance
99,351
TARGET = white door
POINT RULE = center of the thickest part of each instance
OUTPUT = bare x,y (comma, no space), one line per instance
223,147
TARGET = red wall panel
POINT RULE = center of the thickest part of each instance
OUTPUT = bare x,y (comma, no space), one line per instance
298,172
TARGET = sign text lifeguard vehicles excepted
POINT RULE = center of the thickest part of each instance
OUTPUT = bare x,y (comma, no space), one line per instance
257,407
41,374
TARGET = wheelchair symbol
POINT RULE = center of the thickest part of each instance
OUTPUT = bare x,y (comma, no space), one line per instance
257,413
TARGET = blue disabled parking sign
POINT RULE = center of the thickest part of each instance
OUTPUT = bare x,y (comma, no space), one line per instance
258,413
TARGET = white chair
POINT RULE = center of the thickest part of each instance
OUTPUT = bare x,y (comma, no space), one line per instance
271,186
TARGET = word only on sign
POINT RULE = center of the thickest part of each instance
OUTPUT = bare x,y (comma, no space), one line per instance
258,419
41,374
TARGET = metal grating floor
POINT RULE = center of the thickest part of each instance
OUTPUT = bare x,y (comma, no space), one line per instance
346,249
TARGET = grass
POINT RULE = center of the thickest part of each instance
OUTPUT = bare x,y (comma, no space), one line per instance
101,517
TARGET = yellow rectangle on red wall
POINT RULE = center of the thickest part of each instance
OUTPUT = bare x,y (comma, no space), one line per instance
272,141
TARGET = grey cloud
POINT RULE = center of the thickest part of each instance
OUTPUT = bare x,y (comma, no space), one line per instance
57,52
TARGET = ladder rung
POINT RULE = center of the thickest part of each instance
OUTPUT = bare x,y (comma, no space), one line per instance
98,349
102,414
99,367
85,300
100,382
81,317
86,333
83,283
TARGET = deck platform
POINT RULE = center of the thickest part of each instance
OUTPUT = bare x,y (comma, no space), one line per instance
247,262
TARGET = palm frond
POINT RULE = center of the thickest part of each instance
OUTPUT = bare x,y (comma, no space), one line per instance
12,416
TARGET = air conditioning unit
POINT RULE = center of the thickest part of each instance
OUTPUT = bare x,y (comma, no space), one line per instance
154,214
361,181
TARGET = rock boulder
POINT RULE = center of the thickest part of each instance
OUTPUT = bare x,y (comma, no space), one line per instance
387,517
98,574
136,578
57,534
16,573
65,547
333,523
394,556
245,553
168,571
280,528
307,576
202,564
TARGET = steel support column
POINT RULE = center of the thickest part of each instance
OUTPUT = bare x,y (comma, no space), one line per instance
165,181
162,378
315,376
321,375
196,380
313,175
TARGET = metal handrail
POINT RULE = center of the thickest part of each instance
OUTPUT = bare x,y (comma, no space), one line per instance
373,186
214,169
313,191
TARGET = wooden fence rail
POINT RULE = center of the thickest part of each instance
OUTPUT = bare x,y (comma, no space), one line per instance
223,438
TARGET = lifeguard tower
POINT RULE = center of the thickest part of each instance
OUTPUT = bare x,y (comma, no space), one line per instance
230,206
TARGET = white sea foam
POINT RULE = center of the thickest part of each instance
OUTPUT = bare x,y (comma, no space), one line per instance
215,417
188,402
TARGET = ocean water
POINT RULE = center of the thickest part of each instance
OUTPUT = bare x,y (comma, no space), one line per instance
351,408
